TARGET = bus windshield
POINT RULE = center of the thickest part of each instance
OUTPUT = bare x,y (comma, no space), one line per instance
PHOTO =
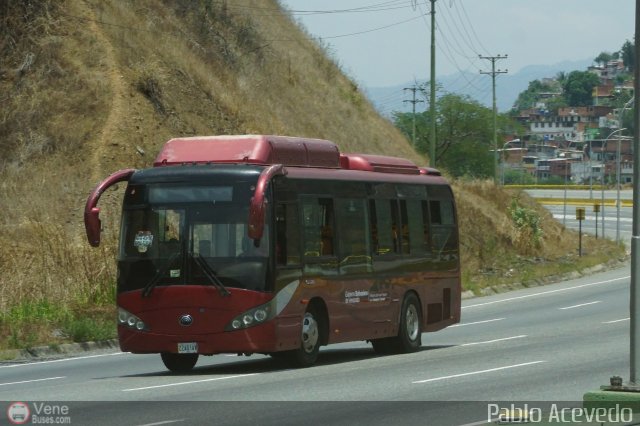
190,243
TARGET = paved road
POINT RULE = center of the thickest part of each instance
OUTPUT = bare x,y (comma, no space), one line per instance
550,343
609,225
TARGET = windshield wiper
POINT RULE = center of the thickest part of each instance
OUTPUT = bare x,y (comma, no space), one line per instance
210,274
146,291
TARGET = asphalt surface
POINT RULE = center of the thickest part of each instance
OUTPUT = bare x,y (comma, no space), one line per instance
551,343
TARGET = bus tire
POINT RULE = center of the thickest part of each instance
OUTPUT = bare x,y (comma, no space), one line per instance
307,354
179,362
409,337
409,331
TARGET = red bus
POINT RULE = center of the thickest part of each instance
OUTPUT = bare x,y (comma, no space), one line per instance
279,245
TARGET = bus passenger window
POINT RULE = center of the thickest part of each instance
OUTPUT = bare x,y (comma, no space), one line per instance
405,227
288,235
353,227
317,215
355,243
426,227
383,227
444,238
416,227
441,212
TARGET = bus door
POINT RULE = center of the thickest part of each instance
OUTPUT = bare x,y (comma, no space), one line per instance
366,295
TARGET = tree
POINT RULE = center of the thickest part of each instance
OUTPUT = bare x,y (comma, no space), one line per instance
561,77
529,97
578,88
464,134
603,58
627,52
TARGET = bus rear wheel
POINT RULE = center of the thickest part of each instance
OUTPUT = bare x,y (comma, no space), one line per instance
409,338
179,362
410,335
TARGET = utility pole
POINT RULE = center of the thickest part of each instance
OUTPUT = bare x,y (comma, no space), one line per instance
493,74
414,102
635,237
432,96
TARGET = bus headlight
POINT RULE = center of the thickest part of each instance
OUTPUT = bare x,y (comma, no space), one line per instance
129,320
260,315
256,316
263,313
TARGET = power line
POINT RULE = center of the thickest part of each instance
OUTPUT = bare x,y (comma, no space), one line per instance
371,30
464,11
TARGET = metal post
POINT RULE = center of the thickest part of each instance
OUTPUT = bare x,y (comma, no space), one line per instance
629,102
493,74
606,141
564,208
591,174
618,193
603,170
432,87
635,238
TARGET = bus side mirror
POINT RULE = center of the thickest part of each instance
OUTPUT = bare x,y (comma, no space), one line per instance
258,204
92,213
93,226
256,219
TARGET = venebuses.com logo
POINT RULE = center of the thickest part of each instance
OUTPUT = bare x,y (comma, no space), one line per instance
20,413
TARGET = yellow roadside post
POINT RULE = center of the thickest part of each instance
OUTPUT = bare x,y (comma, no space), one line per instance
580,217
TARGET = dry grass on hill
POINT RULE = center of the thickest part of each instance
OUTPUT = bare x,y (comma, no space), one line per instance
495,250
89,87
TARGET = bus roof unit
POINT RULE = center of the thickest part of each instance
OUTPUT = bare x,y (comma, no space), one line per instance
378,163
284,150
252,149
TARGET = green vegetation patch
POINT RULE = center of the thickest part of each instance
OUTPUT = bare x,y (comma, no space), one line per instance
38,323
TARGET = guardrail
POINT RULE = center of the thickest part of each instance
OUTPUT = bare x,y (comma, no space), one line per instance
582,201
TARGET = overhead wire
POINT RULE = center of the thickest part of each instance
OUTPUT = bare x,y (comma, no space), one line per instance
445,51
464,11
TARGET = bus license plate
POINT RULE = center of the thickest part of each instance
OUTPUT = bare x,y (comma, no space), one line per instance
188,348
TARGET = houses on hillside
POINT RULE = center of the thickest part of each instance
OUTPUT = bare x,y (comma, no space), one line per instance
577,144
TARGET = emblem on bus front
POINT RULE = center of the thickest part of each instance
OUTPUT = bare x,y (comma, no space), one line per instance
185,320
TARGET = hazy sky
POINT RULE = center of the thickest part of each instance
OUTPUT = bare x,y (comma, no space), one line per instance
530,32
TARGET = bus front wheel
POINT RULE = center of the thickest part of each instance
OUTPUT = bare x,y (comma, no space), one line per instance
179,362
307,354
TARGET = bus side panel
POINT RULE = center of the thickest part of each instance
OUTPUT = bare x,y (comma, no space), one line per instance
440,300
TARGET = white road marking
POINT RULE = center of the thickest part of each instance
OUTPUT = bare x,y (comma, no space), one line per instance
28,364
477,322
544,293
494,341
490,370
615,321
32,381
579,306
166,422
189,382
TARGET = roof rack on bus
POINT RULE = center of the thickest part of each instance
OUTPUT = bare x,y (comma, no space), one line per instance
252,149
378,163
